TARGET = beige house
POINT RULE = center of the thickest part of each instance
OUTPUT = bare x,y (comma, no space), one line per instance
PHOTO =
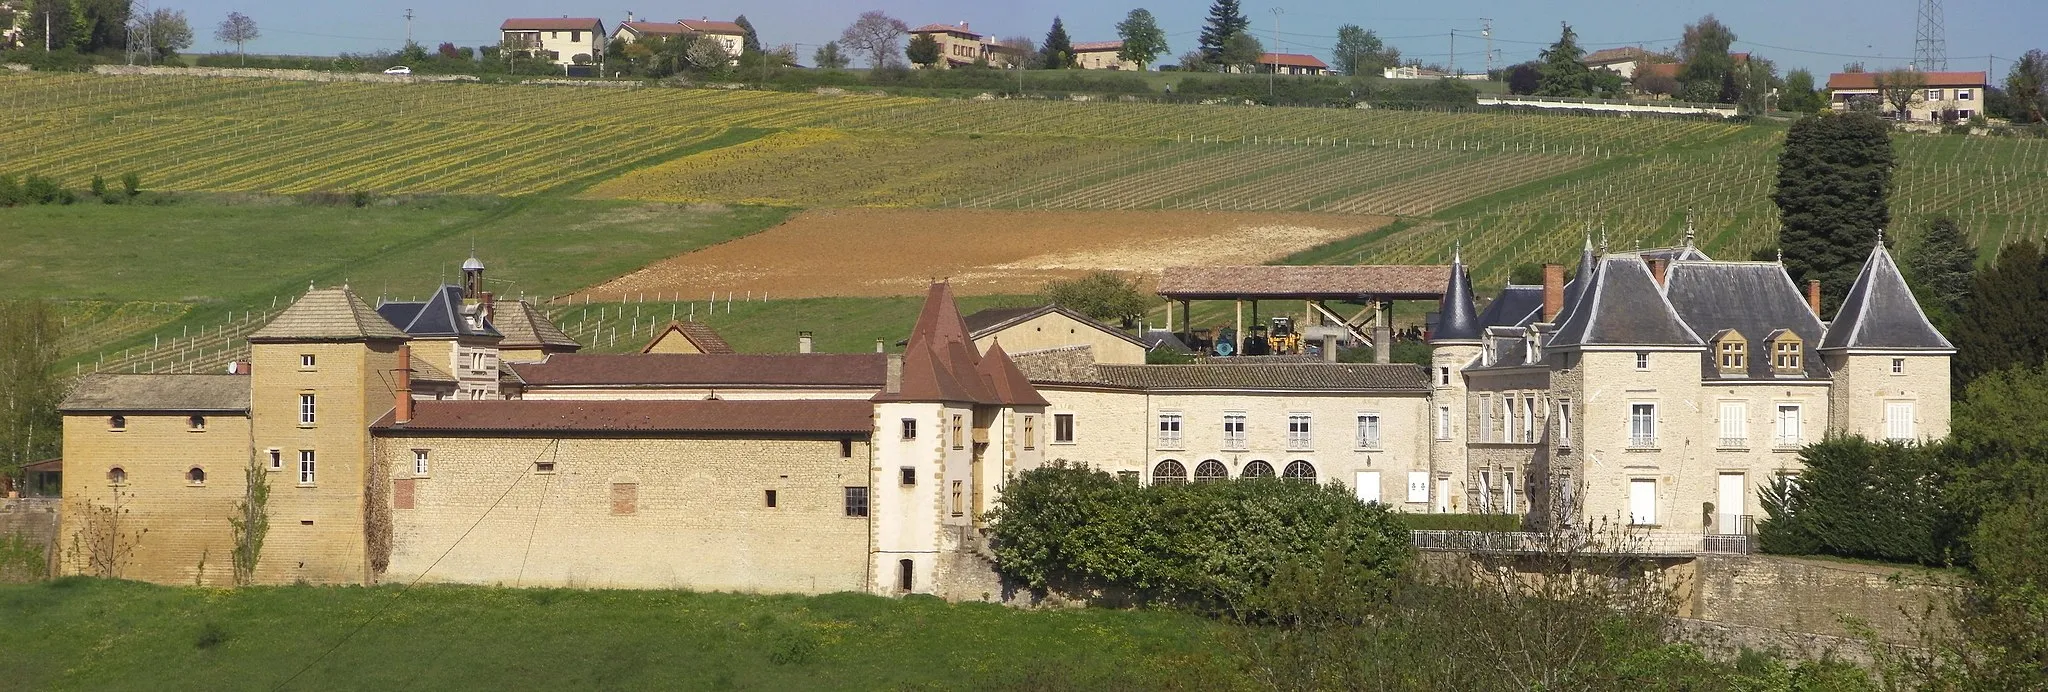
1023,330
1623,61
960,46
730,36
687,337
558,40
1103,55
1940,93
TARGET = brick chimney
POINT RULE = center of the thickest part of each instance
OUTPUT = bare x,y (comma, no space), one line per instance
1813,296
803,342
1553,291
402,406
486,309
1657,268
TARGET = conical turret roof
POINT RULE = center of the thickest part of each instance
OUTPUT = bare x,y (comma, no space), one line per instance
1456,318
1880,312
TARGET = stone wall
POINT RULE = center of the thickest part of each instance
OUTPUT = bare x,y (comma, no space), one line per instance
154,521
1814,596
36,520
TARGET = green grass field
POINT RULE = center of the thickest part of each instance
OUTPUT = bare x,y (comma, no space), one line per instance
81,634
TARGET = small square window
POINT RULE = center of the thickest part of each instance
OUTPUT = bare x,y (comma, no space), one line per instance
196,423
910,428
1063,428
857,501
307,361
1443,377
1898,366
543,467
846,449
1642,360
770,499
117,423
908,475
277,460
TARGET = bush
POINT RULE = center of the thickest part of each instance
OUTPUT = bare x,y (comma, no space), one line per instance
1462,522
1071,529
40,190
131,184
1873,500
11,194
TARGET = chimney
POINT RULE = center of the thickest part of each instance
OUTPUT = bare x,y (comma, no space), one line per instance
803,342
1657,267
402,408
486,309
240,367
1813,296
1553,291
1329,348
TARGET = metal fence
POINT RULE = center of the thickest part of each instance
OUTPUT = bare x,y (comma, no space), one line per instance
1625,542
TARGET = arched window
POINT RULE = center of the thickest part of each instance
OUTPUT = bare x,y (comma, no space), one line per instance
117,476
1211,470
1300,471
196,476
1257,469
1169,471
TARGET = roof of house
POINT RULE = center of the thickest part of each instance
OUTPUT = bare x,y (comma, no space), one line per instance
1609,56
1292,60
1157,339
1098,46
1061,364
941,364
1011,386
1327,282
699,334
526,326
960,28
656,28
158,392
808,417
1456,318
993,320
1754,299
1513,306
1879,312
331,314
712,26
851,370
550,24
1378,377
1868,80
439,316
423,371
1623,306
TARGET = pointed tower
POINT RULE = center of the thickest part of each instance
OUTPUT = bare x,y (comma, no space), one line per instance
1890,365
472,277
1454,345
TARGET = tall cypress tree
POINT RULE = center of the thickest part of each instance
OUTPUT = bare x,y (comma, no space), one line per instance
1226,18
1058,52
2002,317
1833,179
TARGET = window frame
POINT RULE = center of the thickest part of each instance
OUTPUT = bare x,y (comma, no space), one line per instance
195,423
959,436
276,459
420,463
1642,361
1642,436
1894,426
1898,366
1734,431
1294,471
1369,430
1030,432
1063,428
1156,476
959,498
1564,423
309,409
117,476
1443,422
1301,432
309,468
117,423
1170,430
856,498
1237,440
1779,439
909,428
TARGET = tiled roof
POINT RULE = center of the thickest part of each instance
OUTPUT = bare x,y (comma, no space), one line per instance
439,316
706,370
332,314
158,392
1063,364
1952,80
1098,46
1756,299
1414,282
423,371
1392,377
1623,306
525,325
699,334
992,320
1879,312
809,417
1607,56
1012,388
1292,60
656,28
550,24
712,26
945,28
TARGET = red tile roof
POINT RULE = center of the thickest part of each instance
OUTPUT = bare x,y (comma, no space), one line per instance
551,24
1292,60
1607,56
699,334
941,363
656,28
1012,388
709,26
858,370
1951,80
810,417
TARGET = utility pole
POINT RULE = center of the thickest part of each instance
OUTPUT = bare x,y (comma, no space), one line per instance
408,26
1930,43
1486,29
1274,69
1454,53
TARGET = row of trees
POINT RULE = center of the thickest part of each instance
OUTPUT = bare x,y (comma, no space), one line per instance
106,26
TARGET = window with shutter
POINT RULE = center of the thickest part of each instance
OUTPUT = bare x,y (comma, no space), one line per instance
1788,434
1898,420
1734,424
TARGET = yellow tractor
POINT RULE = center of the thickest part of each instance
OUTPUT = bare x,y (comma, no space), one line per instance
1284,340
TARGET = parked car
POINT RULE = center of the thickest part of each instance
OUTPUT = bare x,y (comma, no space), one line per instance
399,69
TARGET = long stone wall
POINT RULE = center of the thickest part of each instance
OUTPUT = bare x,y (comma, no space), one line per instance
1816,596
36,520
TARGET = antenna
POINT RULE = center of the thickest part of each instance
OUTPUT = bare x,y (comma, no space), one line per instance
1486,30
408,26
1930,42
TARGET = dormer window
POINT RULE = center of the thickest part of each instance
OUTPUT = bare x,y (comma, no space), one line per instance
1786,351
1731,352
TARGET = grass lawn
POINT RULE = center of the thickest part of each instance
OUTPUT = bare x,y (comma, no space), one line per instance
108,635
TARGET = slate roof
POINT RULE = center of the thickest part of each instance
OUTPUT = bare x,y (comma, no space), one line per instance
1622,306
1516,305
1681,253
1756,299
332,314
808,417
851,370
1457,319
158,392
438,316
1879,312
1162,339
700,334
1392,377
1330,282
524,325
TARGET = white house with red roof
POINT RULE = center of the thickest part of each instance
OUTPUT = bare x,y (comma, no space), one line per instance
558,39
1940,93
1292,63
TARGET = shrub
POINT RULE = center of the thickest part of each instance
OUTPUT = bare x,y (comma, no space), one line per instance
359,198
131,184
11,194
1863,499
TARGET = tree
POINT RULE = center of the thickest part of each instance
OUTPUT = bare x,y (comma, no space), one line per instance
1834,176
1751,84
81,25
828,56
1650,82
1226,19
2026,88
1103,295
751,42
167,30
1524,79
237,29
1241,52
1058,51
1562,73
923,50
1703,51
30,429
875,35
1899,88
1360,51
1799,93
1144,42
2002,315
1017,51
1942,265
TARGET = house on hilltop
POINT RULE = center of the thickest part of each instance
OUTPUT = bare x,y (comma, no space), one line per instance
1102,55
730,36
1942,96
559,40
961,46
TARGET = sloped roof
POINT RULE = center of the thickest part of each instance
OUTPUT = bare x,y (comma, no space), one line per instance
1456,318
852,370
1098,46
1062,364
993,320
807,417
1608,56
423,371
441,315
1623,306
1949,80
1756,299
941,363
1879,312
550,24
1677,253
655,28
1292,60
945,28
699,334
1011,387
158,392
1327,282
1515,305
1378,377
330,314
524,325
712,26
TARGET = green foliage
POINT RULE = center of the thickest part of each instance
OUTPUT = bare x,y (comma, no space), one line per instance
30,429
1942,266
22,560
1801,93
1834,180
2002,315
168,32
828,57
1058,51
2026,88
1561,73
751,42
1875,500
1709,69
131,184
1359,51
1462,522
1071,529
1226,19
923,50
251,522
1103,295
1143,40
40,190
1241,51
2003,617
1526,274
1162,356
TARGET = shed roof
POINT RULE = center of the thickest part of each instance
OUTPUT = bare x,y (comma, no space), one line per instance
158,392
808,417
330,314
845,370
1320,282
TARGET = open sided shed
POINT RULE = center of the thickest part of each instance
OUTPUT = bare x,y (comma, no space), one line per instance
1375,286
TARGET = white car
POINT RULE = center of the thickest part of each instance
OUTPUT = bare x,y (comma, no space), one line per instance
401,69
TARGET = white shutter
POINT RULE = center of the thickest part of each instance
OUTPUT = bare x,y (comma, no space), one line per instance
1734,423
1368,486
1728,512
1788,425
1898,420
1642,502
1507,490
1418,486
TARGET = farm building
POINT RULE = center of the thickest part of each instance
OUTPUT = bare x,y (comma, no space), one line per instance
1660,387
1102,55
960,46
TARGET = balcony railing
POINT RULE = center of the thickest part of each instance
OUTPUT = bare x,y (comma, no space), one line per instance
1626,543
1734,443
1642,442
1169,440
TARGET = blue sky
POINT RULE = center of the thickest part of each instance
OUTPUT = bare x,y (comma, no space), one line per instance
1825,33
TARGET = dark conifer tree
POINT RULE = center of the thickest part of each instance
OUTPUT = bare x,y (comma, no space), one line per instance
1226,18
2001,324
1941,266
1058,51
1833,180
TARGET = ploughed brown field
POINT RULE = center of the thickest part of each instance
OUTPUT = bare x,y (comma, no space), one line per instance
890,252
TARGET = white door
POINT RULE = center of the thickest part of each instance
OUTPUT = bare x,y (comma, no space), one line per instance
1443,495
1642,502
1368,486
1729,510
